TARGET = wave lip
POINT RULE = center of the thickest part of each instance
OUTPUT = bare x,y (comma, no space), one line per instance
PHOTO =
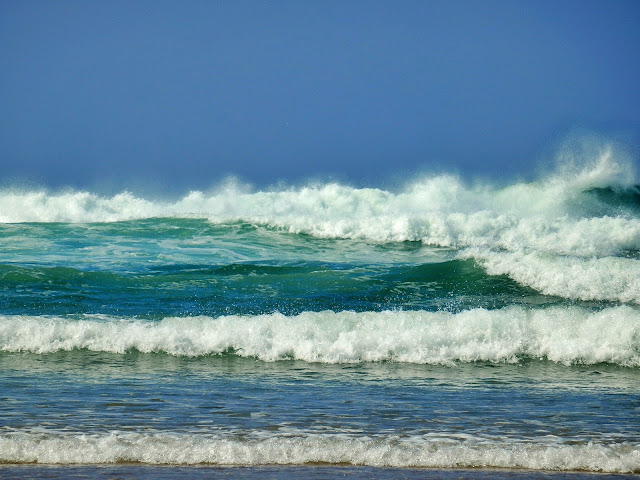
394,451
567,335
611,279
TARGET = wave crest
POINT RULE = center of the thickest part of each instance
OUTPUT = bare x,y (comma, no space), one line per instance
568,335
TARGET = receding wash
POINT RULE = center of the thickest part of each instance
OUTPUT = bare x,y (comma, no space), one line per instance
445,323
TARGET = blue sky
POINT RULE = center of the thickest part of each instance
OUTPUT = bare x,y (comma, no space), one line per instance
184,93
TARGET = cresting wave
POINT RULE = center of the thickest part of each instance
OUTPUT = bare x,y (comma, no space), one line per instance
607,278
563,214
440,210
568,335
574,234
418,451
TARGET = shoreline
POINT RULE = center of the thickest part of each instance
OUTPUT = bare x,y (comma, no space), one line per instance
311,471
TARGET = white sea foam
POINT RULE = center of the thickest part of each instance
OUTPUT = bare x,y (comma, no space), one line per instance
561,334
74,207
420,451
440,210
607,278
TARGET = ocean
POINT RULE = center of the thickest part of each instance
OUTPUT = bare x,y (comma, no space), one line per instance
442,329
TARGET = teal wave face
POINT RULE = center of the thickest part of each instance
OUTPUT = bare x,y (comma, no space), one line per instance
163,267
187,289
138,245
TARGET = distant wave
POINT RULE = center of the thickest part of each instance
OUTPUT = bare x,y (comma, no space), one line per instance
590,212
568,335
454,451
429,209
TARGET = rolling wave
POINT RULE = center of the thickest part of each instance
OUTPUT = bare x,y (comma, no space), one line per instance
567,335
441,210
574,234
551,214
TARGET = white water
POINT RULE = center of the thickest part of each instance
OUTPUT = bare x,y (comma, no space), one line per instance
545,453
440,210
567,335
608,278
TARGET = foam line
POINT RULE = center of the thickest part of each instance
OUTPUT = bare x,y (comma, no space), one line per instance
568,335
184,449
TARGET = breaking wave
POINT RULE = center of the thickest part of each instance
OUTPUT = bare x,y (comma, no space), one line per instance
421,451
574,234
568,335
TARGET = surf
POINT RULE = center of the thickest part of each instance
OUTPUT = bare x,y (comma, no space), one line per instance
565,335
300,448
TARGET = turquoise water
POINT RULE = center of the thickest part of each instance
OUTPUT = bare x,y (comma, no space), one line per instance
443,325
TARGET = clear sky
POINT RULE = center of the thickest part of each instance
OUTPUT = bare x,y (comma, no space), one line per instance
184,93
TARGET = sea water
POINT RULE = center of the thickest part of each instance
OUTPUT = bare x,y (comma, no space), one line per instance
325,330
